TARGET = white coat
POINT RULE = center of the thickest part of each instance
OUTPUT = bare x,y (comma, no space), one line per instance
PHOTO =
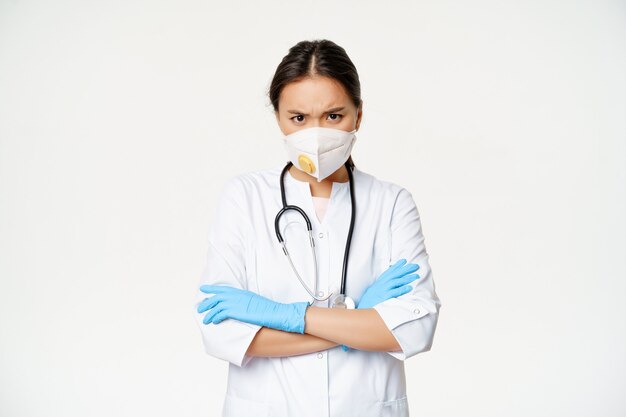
244,253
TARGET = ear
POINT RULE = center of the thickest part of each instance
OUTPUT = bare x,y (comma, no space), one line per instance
359,115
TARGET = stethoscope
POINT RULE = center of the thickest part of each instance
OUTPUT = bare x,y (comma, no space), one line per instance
339,300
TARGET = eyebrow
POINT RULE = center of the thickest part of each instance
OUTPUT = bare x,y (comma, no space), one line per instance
334,109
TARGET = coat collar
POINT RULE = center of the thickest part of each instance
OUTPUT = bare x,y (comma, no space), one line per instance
338,203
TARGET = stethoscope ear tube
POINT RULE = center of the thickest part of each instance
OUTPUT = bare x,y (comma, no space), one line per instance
283,210
349,239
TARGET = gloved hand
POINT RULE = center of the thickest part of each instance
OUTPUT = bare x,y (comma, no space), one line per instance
390,284
243,305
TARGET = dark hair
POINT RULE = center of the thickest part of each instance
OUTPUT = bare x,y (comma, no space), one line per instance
318,57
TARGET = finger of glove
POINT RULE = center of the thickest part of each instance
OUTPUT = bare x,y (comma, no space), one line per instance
208,318
390,271
216,289
402,280
400,291
398,272
405,269
210,302
398,264
221,316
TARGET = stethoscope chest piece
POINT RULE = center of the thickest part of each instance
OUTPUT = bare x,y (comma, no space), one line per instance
342,301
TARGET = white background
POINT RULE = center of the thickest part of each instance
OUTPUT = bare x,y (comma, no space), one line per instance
121,120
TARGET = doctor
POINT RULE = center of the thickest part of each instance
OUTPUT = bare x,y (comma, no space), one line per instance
292,349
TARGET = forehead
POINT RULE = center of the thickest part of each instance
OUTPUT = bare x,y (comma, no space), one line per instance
313,94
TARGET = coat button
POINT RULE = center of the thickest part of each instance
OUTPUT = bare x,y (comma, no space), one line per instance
416,311
321,235
320,293
320,355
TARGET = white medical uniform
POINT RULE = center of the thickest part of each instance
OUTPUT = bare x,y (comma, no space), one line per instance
245,253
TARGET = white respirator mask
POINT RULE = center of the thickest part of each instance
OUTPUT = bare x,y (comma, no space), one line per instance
319,151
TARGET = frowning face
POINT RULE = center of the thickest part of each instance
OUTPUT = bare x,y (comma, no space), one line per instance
316,101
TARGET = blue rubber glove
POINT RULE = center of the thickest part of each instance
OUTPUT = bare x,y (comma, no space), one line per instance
390,284
243,305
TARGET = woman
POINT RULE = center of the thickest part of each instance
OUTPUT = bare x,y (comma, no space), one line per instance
290,352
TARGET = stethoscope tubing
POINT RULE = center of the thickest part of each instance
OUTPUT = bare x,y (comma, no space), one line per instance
286,207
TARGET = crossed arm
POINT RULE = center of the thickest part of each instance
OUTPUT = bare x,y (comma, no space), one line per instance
361,328
325,328
311,328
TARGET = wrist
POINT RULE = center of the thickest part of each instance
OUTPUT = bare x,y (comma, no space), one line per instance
301,308
297,312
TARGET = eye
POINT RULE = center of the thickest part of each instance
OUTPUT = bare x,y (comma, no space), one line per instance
335,116
299,118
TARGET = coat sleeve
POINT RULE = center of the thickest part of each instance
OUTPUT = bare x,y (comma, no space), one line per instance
225,265
412,317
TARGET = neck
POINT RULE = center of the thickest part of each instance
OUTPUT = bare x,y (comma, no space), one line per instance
341,175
